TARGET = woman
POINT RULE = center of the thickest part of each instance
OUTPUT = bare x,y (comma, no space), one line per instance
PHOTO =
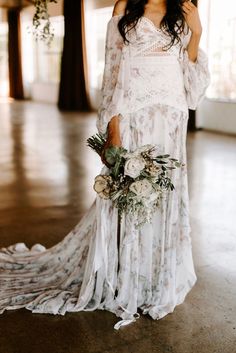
154,71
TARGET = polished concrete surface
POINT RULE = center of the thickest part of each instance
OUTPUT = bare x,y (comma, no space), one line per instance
46,177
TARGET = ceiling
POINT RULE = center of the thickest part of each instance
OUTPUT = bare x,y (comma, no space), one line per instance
15,3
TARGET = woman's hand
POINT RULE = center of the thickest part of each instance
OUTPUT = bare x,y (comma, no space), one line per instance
113,138
192,18
193,21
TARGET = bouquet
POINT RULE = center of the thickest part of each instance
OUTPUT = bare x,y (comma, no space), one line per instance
135,181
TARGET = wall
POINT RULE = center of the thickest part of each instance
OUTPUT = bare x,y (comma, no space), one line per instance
97,4
213,114
217,116
3,15
45,92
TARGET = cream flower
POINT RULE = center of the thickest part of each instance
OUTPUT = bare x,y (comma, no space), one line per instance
134,166
141,188
101,186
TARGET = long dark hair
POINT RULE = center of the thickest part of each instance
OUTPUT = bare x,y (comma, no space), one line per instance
173,22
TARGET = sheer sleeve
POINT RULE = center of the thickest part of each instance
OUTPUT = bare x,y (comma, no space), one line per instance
109,106
196,75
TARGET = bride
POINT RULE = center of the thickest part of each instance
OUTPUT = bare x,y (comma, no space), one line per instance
154,71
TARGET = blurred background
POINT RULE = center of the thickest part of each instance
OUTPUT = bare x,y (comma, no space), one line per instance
39,66
49,97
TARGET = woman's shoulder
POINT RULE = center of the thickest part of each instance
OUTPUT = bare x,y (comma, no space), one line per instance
119,8
117,13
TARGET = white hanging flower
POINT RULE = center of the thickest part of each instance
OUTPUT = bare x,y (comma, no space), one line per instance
134,166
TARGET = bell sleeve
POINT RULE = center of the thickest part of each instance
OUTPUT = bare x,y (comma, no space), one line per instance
110,90
196,75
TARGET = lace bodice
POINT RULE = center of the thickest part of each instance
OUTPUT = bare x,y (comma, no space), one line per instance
144,72
148,40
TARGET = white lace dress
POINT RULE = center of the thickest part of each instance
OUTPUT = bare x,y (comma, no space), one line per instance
151,90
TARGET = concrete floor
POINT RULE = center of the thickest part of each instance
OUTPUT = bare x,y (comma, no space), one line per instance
45,186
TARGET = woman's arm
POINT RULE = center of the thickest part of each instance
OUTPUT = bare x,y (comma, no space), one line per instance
193,21
194,60
113,137
119,8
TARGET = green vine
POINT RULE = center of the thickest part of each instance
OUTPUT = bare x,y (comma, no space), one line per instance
42,27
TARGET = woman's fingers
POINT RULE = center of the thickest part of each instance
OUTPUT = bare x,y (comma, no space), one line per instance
191,16
186,11
187,8
188,5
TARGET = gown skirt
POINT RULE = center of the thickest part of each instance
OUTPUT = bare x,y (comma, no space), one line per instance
152,268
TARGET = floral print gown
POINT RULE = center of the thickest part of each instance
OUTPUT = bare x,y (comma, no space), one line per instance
151,90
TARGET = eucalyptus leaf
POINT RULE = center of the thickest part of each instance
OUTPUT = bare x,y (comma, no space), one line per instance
111,154
173,159
161,162
163,156
117,165
177,164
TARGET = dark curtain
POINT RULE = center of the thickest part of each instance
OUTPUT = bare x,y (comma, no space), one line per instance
73,93
192,113
192,120
14,54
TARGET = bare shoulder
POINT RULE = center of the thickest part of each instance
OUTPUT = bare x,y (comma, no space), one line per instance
119,8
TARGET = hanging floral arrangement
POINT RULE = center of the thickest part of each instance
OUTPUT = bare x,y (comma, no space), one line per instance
42,27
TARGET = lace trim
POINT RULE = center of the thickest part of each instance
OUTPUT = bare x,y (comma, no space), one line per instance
158,60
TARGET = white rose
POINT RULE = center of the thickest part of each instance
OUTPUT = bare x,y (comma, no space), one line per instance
101,186
134,166
141,188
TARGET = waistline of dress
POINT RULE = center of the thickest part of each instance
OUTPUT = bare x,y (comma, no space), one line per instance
158,59
132,107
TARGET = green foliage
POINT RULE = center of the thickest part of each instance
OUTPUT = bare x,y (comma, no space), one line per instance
112,154
97,143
